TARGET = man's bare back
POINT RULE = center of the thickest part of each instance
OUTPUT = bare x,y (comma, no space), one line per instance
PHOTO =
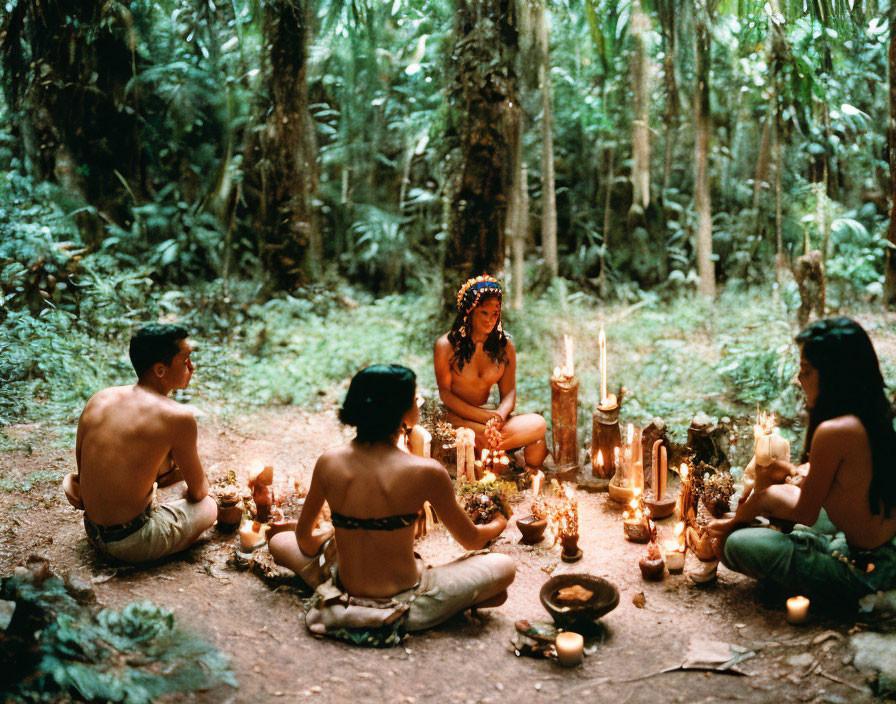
128,437
131,437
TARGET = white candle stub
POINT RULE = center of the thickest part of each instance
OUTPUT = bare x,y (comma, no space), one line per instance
570,649
797,609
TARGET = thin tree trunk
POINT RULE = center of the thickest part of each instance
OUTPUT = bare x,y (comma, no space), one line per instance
603,284
548,189
760,179
779,240
486,114
670,116
520,235
705,268
890,277
640,23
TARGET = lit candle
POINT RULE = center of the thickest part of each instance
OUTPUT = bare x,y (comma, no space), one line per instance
675,549
569,370
797,609
251,536
602,344
570,649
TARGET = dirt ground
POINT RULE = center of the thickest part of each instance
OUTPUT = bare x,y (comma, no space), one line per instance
466,659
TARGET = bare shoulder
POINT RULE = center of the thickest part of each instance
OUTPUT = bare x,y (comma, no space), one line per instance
510,349
841,428
443,345
431,470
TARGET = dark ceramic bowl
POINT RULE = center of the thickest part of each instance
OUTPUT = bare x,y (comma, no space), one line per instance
605,599
532,529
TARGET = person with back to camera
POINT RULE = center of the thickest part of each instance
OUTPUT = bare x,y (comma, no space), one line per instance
375,493
851,447
131,437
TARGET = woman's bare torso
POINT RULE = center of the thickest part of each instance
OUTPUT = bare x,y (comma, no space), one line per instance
847,501
374,481
474,382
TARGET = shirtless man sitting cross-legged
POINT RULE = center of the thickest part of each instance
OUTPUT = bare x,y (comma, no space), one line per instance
131,437
473,357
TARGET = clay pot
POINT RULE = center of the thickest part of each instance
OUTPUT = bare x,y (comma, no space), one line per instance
532,529
652,570
229,515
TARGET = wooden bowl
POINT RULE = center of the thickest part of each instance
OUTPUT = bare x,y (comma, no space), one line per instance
605,599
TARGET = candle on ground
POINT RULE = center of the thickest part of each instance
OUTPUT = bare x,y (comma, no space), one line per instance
570,648
797,609
251,536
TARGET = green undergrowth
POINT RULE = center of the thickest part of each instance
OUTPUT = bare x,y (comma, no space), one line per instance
670,357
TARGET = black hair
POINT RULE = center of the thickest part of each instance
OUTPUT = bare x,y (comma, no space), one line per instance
850,383
461,334
377,399
155,343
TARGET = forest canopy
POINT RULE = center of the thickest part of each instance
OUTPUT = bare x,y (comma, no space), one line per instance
201,158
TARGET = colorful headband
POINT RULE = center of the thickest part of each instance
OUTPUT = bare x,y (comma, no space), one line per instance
479,284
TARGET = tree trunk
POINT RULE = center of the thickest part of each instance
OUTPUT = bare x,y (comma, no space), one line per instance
282,164
603,282
66,65
484,119
890,278
705,267
548,190
520,235
640,23
779,211
670,117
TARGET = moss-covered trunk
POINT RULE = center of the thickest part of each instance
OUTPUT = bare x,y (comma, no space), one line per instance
484,119
66,68
283,169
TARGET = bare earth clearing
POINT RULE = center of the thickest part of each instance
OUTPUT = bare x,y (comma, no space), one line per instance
467,659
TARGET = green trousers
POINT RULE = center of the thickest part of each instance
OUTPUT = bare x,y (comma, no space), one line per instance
816,562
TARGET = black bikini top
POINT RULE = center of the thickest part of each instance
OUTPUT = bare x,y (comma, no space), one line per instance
387,523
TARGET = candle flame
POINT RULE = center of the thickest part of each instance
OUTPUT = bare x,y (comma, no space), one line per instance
488,478
683,472
638,513
600,458
636,492
625,514
633,503
679,528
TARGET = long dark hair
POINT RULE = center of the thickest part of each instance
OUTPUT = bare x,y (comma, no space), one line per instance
461,334
850,383
377,399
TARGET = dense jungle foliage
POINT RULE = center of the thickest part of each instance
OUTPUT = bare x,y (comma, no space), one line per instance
278,172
